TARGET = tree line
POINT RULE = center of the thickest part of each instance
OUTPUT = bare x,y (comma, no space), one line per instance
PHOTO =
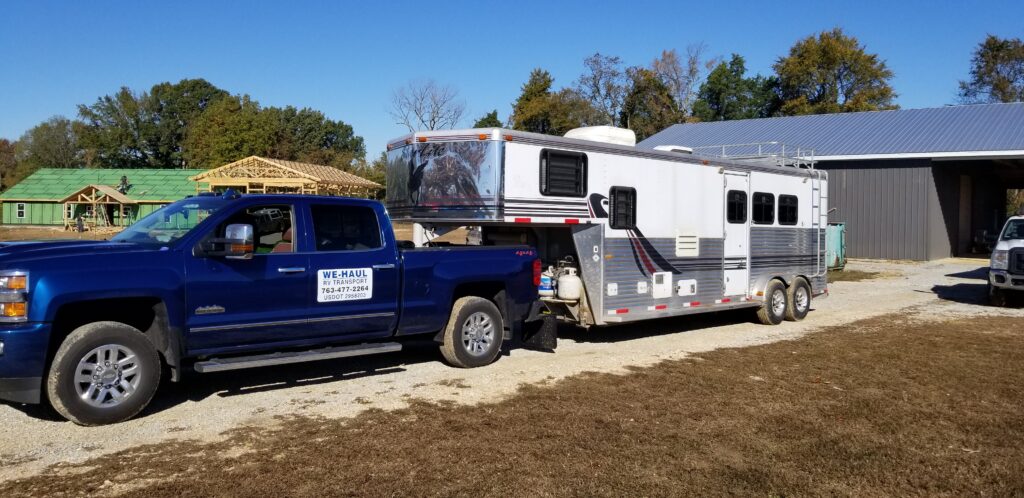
829,72
188,124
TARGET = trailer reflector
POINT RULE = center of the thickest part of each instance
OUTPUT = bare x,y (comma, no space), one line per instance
422,139
482,136
725,300
523,220
620,311
695,303
572,221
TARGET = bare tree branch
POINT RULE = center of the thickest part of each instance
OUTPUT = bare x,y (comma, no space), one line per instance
427,105
683,78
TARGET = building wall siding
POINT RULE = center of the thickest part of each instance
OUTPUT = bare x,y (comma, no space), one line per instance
885,205
51,213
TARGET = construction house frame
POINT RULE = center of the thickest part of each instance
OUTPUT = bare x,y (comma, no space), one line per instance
263,175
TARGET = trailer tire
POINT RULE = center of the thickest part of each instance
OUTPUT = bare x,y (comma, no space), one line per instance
773,310
798,300
474,333
124,368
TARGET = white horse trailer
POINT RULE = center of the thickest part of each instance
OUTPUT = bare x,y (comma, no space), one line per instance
651,233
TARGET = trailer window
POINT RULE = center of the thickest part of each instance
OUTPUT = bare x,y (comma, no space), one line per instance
763,212
788,209
20,208
345,228
622,201
736,206
563,173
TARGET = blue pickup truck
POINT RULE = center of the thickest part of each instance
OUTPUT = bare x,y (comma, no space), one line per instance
226,281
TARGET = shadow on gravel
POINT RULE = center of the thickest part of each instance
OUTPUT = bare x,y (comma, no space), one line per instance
662,326
976,294
980,273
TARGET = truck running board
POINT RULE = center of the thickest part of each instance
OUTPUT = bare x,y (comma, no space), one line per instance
282,358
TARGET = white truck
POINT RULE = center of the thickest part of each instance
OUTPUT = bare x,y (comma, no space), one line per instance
1006,271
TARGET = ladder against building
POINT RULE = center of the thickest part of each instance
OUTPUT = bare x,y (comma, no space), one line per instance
97,199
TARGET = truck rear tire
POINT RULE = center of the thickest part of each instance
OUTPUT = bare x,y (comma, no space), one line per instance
474,333
773,310
798,297
103,373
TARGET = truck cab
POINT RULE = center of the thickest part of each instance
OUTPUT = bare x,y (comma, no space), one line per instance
1006,269
222,282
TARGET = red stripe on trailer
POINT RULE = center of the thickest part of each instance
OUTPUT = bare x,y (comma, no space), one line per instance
572,221
523,220
661,307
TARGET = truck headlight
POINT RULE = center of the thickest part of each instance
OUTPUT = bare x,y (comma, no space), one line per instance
13,296
1000,260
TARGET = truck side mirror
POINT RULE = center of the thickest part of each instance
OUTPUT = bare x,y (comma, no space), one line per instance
238,241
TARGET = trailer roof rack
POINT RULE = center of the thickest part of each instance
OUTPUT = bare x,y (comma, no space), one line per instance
774,153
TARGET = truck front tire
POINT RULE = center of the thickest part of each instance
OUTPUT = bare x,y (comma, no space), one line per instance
474,333
997,297
103,373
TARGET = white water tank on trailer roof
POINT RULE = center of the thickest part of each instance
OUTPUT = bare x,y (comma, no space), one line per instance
606,134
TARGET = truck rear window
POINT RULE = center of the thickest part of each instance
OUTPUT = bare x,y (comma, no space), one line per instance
345,228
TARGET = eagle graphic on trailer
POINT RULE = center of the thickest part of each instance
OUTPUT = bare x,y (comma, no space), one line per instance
650,233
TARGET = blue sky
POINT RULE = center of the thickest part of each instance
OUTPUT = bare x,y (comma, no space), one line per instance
345,58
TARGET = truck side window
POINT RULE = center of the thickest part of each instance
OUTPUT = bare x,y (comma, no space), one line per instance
736,206
763,212
563,173
788,209
622,204
345,228
271,224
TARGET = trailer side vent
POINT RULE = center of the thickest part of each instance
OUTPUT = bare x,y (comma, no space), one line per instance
687,246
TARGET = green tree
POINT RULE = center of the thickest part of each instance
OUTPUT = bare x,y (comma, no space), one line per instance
145,130
541,110
997,72
8,163
728,94
172,107
50,144
116,130
234,127
832,72
649,106
489,120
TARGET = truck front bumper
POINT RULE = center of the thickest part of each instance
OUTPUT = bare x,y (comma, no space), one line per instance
1005,280
23,349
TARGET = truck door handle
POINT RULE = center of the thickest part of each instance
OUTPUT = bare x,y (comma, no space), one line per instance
387,266
292,269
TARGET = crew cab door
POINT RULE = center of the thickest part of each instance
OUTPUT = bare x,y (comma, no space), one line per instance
244,303
354,272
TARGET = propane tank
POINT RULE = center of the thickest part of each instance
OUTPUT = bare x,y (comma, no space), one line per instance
570,287
547,279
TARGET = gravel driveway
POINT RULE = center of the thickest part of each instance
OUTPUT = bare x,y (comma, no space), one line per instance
206,406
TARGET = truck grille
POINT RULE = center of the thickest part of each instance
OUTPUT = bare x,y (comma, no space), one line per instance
1016,262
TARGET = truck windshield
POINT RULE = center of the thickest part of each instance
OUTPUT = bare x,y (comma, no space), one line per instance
1014,230
171,222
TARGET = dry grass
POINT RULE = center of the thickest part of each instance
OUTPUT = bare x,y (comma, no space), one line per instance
10,233
877,408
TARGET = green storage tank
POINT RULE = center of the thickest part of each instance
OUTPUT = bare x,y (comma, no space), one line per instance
835,245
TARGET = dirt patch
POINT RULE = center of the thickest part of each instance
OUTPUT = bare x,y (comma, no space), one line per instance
885,406
853,275
11,233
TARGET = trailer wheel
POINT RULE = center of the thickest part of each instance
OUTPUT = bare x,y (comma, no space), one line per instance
474,333
799,300
103,372
773,310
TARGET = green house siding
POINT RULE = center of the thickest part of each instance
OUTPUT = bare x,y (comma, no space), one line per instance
42,192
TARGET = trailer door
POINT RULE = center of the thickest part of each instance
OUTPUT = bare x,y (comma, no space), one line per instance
736,259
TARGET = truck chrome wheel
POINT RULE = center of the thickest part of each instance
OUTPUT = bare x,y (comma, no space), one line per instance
477,333
107,375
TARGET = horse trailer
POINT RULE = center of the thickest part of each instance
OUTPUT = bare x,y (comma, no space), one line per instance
644,233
